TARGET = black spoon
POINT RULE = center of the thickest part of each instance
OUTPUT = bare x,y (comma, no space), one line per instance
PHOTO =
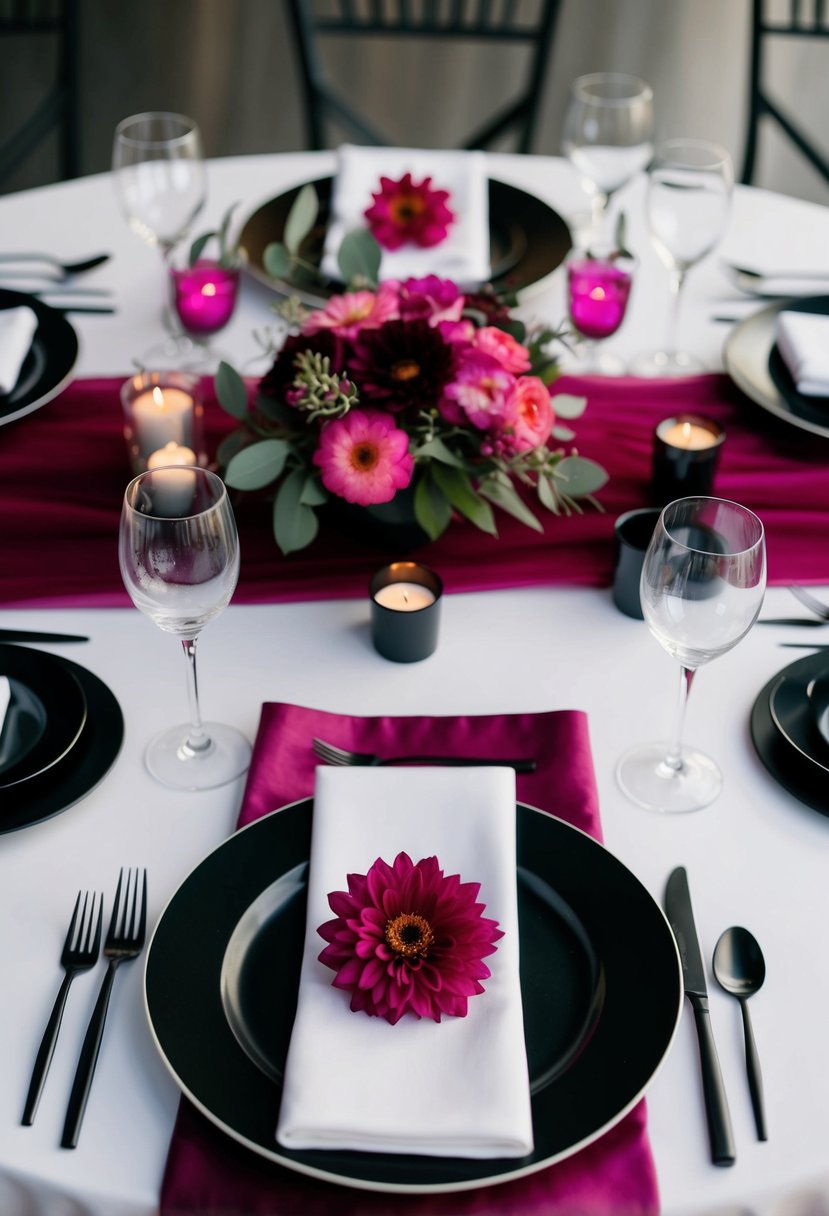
740,969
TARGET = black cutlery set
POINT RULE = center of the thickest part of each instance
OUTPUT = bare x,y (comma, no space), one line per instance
740,970
43,277
124,942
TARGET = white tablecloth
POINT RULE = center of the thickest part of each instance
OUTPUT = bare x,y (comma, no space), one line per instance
755,857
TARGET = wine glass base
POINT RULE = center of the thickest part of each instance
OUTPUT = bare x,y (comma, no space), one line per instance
647,780
669,364
227,758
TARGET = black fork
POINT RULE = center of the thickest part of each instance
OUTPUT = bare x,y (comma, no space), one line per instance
124,941
80,952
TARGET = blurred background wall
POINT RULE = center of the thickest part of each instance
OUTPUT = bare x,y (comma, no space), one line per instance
228,64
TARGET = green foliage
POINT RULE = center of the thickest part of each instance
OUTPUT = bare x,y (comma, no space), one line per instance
295,524
228,254
230,390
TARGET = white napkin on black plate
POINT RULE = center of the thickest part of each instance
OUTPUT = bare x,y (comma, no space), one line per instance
803,342
17,328
459,1087
464,254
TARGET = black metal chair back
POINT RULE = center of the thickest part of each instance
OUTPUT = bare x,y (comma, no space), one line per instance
55,22
802,20
483,21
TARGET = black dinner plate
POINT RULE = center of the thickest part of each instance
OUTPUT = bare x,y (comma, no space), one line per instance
45,717
49,364
63,784
813,409
600,980
785,736
528,239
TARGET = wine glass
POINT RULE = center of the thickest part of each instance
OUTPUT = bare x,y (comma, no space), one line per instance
599,280
160,182
608,134
179,556
702,586
688,200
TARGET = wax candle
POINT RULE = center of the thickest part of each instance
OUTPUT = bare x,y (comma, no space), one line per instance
161,408
204,296
405,611
172,489
685,456
598,291
171,454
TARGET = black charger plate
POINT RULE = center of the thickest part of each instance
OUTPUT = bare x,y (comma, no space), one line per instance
83,766
600,981
791,746
528,240
48,367
47,711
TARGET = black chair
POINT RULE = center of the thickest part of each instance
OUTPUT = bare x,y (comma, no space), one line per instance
501,22
802,21
55,23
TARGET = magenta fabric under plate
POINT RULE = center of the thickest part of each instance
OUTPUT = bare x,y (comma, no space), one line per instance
211,1175
63,470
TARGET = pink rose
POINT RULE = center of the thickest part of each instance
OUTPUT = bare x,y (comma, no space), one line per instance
502,346
529,413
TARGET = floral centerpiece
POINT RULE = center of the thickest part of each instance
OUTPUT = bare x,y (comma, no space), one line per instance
409,388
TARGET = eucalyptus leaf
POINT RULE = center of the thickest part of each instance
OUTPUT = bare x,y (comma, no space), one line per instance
257,465
568,406
301,218
228,448
457,489
580,476
547,495
504,495
563,433
294,523
359,257
197,248
436,449
231,392
276,260
313,494
432,508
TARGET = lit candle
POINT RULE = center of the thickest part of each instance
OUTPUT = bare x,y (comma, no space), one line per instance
405,611
171,454
685,456
598,295
172,489
204,296
161,415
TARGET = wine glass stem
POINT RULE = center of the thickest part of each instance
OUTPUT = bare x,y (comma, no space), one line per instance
197,741
676,280
673,756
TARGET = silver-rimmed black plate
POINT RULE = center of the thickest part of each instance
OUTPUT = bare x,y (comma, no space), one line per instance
45,716
786,737
600,980
48,367
528,240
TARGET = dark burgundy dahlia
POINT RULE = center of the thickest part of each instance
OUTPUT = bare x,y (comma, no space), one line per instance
401,366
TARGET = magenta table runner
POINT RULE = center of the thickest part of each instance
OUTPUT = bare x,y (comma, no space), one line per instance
63,471
208,1174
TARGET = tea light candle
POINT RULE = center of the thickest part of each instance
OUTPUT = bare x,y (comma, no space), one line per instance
172,489
598,291
161,408
171,454
405,611
204,296
685,457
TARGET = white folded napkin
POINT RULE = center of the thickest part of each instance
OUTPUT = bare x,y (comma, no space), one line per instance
464,254
17,328
803,342
5,699
455,1088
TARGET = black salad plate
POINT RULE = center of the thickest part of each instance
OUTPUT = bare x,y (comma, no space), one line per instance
528,240
600,981
785,733
49,364
65,782
45,716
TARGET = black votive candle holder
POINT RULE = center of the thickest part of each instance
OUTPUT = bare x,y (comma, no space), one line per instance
405,611
686,452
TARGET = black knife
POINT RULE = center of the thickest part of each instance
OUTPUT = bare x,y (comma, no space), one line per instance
29,635
681,915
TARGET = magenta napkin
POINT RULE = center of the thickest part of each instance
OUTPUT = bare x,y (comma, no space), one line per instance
210,1174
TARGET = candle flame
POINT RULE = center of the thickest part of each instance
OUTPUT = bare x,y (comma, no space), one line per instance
209,289
158,397
596,293
686,432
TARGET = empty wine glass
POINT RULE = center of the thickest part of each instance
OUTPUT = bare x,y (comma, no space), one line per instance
702,586
608,134
179,556
688,199
599,280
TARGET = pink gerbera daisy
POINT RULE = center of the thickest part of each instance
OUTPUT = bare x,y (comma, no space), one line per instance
407,213
354,311
364,457
408,939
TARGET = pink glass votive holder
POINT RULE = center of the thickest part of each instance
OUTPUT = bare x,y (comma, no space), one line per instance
204,295
597,291
162,409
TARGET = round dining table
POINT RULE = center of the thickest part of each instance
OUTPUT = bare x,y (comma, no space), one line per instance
757,856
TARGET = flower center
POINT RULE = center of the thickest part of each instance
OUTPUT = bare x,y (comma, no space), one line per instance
405,369
409,934
364,456
405,208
